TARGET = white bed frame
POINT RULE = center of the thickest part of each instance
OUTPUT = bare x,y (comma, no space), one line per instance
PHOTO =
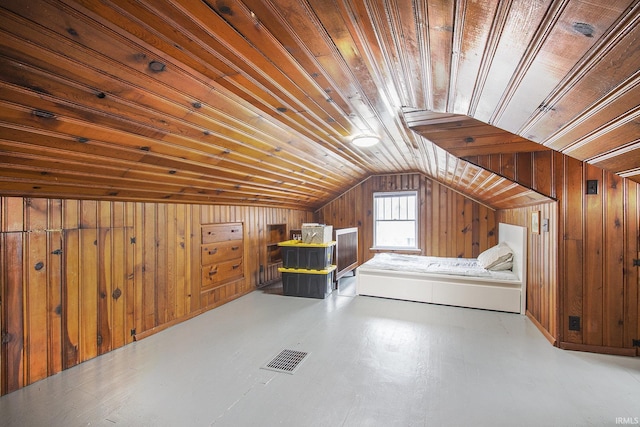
462,291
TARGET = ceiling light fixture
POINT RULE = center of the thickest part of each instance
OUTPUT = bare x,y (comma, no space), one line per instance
365,141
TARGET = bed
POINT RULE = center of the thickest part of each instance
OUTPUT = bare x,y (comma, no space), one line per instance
395,276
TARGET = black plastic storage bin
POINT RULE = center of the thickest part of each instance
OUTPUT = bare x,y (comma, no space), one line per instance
307,283
290,255
296,254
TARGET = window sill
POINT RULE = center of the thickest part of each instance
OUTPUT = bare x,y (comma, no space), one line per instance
407,250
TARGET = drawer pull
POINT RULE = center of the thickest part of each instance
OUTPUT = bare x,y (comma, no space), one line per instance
235,248
214,251
212,272
236,266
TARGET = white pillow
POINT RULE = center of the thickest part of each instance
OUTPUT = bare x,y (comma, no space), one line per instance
505,265
495,256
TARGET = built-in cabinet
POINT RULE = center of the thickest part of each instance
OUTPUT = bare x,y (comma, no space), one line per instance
221,255
276,233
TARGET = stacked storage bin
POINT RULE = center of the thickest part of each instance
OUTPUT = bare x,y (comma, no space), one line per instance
307,269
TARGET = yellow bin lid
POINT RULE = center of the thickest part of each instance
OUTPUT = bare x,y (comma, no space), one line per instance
299,244
306,271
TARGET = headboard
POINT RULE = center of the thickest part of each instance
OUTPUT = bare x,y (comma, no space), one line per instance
346,251
516,237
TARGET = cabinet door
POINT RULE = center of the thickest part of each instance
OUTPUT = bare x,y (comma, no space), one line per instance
219,273
221,251
221,232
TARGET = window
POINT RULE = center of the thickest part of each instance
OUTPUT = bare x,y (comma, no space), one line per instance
394,220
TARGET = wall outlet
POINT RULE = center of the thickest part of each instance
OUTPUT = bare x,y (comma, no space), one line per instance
592,186
574,323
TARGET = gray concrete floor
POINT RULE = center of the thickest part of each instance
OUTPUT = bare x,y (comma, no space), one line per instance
371,362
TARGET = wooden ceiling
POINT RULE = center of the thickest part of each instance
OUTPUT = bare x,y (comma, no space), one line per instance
465,136
256,102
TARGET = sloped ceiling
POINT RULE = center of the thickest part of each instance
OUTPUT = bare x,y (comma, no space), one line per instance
256,102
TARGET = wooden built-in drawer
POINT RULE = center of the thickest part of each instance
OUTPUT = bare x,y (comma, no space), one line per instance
221,251
221,272
221,232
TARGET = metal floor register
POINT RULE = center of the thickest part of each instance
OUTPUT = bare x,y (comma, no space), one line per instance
287,361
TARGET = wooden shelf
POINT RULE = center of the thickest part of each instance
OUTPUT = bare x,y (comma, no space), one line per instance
276,233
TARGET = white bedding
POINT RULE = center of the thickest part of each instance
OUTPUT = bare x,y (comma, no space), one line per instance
468,267
435,280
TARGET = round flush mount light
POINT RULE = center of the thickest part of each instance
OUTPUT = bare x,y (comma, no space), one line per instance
365,141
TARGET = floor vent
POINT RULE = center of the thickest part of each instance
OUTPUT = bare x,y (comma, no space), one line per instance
287,361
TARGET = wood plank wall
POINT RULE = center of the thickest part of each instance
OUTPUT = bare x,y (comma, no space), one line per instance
451,224
542,265
79,276
598,238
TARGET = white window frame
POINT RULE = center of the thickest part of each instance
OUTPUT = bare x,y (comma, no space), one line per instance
387,194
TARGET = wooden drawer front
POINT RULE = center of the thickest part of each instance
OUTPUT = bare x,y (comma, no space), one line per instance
221,272
221,232
221,251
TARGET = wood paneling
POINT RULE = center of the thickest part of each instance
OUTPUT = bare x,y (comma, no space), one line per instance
542,265
571,246
245,103
596,242
82,278
631,300
13,333
450,224
464,136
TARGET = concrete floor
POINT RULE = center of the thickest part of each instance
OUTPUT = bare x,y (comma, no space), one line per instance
371,362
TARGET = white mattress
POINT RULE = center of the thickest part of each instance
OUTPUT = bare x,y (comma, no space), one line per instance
426,264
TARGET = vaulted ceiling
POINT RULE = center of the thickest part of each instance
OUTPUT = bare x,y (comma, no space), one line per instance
257,101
